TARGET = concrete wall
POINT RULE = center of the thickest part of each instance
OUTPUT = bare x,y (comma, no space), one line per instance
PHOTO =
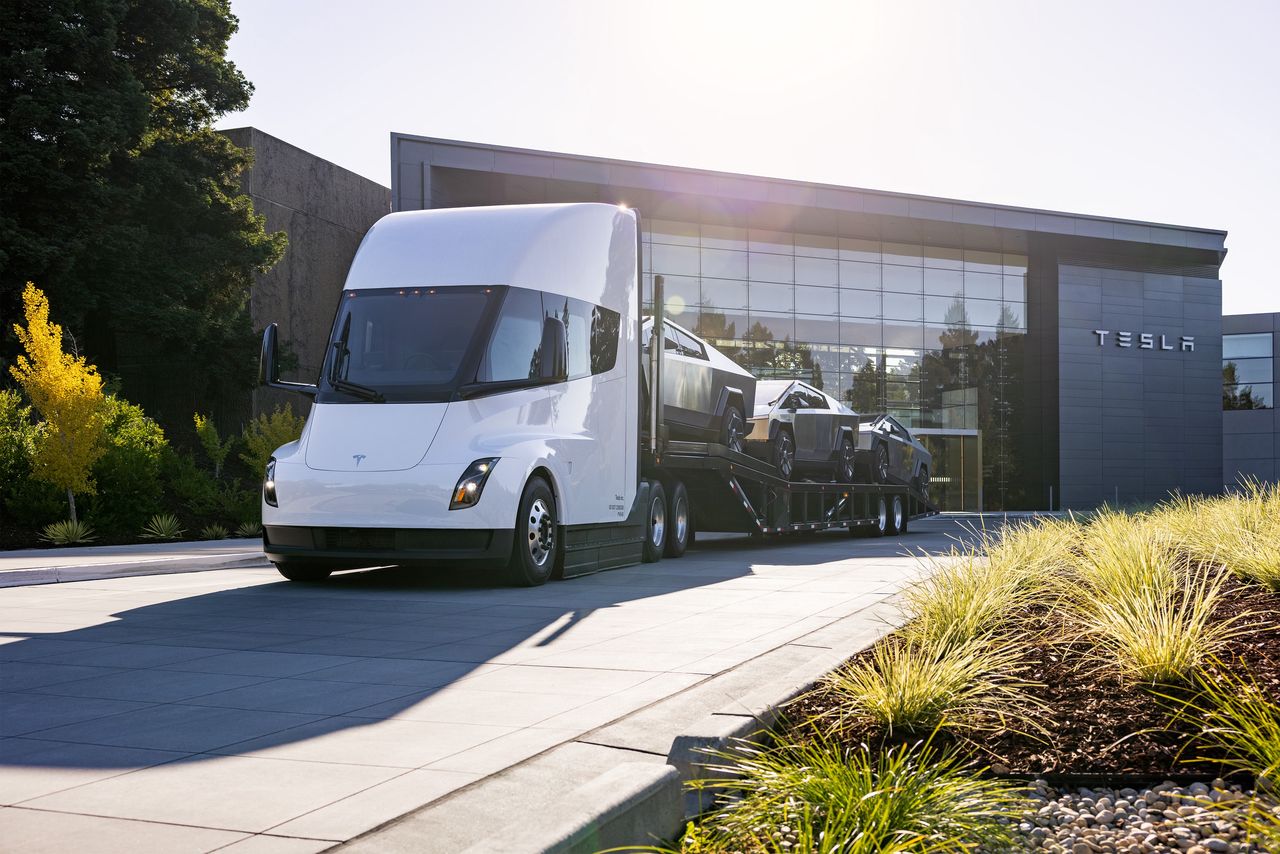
1251,438
326,211
1137,423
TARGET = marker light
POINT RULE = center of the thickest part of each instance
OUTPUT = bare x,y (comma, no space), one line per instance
269,484
471,484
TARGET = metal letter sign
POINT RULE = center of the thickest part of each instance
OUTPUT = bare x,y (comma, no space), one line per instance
1146,340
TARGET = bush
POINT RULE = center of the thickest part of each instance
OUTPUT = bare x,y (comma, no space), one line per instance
214,532
68,533
163,526
265,433
30,503
128,476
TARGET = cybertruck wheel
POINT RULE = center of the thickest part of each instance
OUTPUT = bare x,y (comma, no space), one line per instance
679,527
733,427
303,571
537,539
881,468
655,529
784,453
846,462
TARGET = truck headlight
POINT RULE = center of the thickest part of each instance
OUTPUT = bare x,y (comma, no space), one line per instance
269,484
471,484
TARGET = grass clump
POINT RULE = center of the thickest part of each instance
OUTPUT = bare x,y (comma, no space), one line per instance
68,532
1240,725
163,526
214,531
249,529
1239,530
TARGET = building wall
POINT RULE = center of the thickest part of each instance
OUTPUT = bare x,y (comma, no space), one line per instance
325,210
1251,437
1136,424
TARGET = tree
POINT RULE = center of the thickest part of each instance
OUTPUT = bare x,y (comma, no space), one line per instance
67,392
214,445
116,194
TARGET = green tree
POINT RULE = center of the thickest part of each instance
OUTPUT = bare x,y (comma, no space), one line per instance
116,194
215,447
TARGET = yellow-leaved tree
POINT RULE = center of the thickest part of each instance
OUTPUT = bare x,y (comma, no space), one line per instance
67,392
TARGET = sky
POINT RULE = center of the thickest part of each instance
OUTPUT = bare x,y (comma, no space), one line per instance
1159,111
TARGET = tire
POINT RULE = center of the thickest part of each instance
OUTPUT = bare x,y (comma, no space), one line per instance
846,470
303,571
536,547
880,469
784,453
655,525
898,515
880,525
733,428
679,521
922,483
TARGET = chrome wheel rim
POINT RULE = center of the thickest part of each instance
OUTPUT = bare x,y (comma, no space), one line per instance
846,463
786,455
897,514
541,533
657,521
882,465
733,431
682,520
882,517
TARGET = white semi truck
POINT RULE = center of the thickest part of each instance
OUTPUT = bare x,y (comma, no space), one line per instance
482,401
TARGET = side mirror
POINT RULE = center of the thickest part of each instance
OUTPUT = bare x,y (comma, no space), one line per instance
554,364
269,366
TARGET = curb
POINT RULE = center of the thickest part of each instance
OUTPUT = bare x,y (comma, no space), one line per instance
155,566
635,800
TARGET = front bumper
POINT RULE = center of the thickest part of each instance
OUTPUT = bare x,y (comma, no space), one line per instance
350,548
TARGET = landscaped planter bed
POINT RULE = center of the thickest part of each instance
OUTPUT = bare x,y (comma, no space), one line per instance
1109,683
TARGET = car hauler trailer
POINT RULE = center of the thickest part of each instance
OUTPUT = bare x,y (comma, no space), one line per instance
482,400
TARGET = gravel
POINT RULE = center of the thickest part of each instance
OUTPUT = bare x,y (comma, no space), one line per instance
1198,819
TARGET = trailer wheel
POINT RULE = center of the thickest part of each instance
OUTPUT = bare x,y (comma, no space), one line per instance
880,522
784,453
895,523
537,539
846,462
655,529
303,571
733,428
680,529
900,514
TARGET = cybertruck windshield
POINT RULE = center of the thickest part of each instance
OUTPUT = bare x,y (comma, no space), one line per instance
405,344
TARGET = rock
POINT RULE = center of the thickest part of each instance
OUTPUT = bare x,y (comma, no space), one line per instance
1215,844
1105,817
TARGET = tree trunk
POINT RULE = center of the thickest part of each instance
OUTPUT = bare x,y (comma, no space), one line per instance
71,500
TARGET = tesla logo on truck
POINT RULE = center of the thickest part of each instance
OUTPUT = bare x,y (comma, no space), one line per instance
359,458
1146,340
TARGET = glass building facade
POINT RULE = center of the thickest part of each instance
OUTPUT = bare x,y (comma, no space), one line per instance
1247,371
931,334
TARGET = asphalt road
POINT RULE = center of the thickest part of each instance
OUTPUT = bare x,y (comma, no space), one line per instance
230,710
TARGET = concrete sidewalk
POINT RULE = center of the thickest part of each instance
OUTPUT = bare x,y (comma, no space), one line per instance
85,563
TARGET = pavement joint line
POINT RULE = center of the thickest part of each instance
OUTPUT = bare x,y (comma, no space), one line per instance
140,820
619,747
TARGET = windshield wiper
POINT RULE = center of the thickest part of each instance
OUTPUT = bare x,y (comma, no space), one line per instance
362,391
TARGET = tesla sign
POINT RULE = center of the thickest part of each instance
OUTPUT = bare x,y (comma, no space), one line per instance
1146,340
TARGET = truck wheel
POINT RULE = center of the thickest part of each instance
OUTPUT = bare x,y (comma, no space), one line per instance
846,462
898,515
881,470
537,539
303,571
784,453
880,522
679,531
733,428
655,529
922,483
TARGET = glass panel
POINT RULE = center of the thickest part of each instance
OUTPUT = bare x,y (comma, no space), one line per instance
898,334
724,264
857,274
982,262
981,286
1015,264
853,249
944,283
646,256
770,297
817,245
1246,371
679,260
903,280
864,333
817,271
859,303
944,310
817,300
817,330
1246,346
578,337
982,312
514,349
768,326
908,254
681,295
903,306
1247,396
724,293
943,258
1014,316
770,268
724,237
673,232
722,326
760,240
900,394
605,328
1015,288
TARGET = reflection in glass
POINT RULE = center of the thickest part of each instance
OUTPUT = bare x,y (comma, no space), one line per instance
813,329
761,240
724,264
903,280
902,307
1251,345
983,262
724,237
817,300
900,334
1015,288
817,271
762,267
858,274
983,286
906,254
853,249
673,232
944,283
678,260
817,246
724,293
1257,396
766,296
859,303
983,312
943,259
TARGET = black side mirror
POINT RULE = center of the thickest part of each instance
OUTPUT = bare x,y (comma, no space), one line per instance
269,366
554,364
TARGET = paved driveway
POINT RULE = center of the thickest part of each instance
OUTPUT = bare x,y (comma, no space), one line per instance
231,710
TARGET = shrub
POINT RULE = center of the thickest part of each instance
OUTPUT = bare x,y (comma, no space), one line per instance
30,503
130,486
163,526
249,529
1239,723
265,433
214,446
188,485
68,532
851,800
214,532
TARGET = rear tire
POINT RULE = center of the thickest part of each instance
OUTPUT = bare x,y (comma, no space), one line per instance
880,469
784,453
679,528
880,521
898,515
846,462
303,571
733,428
535,551
655,525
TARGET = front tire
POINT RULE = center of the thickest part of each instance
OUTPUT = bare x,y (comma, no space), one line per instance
881,469
655,528
846,462
536,548
733,428
784,453
679,521
303,571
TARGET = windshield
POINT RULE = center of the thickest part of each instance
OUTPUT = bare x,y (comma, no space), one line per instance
404,343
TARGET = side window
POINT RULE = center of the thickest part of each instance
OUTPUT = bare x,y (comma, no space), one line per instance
576,315
689,346
813,400
605,327
514,351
